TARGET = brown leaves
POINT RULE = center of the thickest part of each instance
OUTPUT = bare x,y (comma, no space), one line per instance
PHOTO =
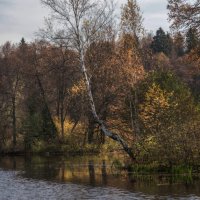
184,14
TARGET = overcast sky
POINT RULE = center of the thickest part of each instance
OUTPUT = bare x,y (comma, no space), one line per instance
22,18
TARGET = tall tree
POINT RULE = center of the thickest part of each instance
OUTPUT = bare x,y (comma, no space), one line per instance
131,19
132,29
192,40
83,20
162,42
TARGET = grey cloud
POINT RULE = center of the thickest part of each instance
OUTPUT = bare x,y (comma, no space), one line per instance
5,2
22,18
153,7
154,13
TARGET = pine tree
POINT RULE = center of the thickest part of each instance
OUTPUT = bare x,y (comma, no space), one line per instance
162,42
191,39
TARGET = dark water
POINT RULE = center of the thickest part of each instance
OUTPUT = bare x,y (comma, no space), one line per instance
23,178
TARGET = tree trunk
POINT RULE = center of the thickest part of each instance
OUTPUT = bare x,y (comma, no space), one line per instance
101,124
62,120
74,126
137,127
91,127
131,115
45,103
14,122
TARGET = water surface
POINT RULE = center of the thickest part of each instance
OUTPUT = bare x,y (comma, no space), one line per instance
25,178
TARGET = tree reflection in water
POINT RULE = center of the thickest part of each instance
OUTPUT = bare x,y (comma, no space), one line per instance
96,172
91,172
104,173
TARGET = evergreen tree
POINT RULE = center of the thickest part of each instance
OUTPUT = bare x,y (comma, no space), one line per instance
162,42
37,124
191,39
23,46
22,42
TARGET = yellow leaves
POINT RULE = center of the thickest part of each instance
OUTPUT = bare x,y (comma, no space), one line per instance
78,88
150,140
132,66
157,97
75,90
154,109
67,125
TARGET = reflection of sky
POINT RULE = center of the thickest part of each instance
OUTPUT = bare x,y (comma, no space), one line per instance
21,18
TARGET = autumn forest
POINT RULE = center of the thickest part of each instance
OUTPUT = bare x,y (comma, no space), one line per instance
92,82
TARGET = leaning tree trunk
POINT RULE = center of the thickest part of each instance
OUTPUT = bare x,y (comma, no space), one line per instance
74,14
101,124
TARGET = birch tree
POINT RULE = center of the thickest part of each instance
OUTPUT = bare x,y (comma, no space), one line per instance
78,23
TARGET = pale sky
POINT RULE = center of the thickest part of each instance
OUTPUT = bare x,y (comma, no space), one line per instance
22,18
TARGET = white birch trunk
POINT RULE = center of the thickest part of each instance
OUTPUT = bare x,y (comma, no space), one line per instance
73,14
101,124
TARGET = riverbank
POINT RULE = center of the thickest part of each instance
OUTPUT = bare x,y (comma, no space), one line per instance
51,152
120,163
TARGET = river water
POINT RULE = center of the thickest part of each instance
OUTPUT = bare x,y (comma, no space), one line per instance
59,178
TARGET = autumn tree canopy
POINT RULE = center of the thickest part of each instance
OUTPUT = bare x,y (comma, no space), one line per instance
184,14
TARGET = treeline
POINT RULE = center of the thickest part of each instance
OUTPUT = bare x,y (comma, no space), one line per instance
145,88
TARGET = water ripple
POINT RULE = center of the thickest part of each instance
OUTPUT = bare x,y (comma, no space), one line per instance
15,187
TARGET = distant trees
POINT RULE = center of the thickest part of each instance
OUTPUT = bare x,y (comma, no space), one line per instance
185,16
178,44
83,80
162,42
192,40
